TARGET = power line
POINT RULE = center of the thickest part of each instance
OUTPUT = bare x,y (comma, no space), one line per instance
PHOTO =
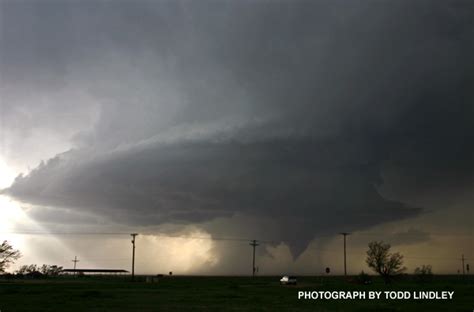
412,234
408,233
153,234
63,233
236,239
104,259
437,258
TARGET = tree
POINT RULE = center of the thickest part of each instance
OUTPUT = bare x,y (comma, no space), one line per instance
424,273
383,262
51,270
8,255
36,271
26,269
424,270
30,271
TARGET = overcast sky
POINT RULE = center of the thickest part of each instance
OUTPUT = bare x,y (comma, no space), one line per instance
285,121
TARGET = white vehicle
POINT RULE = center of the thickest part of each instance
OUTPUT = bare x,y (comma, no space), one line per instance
288,280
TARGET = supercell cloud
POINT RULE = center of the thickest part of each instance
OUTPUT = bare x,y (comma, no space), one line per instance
176,112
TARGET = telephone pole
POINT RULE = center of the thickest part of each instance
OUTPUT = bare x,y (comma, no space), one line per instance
133,254
254,244
462,260
75,261
345,263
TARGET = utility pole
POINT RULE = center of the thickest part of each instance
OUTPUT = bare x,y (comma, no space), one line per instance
75,261
462,260
133,254
253,244
345,263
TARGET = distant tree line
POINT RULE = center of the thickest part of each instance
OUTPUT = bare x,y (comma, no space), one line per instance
8,255
39,271
379,258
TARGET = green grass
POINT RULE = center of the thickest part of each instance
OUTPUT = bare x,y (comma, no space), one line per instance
218,294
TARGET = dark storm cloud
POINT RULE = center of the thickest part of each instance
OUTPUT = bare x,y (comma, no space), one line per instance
293,180
281,110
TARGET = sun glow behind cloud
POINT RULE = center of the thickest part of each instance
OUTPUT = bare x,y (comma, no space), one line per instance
184,255
11,212
11,216
162,254
181,253
20,231
7,174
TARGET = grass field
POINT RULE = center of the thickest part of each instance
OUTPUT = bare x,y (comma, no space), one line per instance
218,294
